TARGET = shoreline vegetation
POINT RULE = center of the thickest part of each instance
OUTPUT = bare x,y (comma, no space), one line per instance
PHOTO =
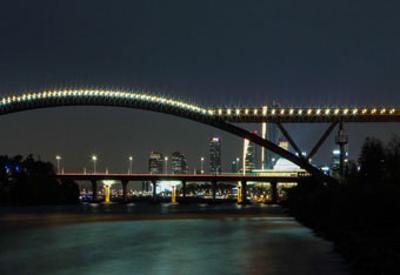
26,181
359,215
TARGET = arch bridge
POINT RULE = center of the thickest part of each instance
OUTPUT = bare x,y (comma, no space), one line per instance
221,118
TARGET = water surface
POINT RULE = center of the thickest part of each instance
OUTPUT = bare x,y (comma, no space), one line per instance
263,244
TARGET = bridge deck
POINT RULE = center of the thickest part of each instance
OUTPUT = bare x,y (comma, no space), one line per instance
307,115
182,177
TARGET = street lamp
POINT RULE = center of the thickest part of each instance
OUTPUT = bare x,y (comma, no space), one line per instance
94,159
130,165
166,165
202,165
58,159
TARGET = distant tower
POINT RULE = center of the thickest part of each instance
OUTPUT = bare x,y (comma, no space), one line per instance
215,155
250,155
178,163
335,166
156,163
264,136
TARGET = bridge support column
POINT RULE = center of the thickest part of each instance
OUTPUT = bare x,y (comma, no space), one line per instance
124,190
154,190
214,190
184,189
94,190
243,191
341,140
274,192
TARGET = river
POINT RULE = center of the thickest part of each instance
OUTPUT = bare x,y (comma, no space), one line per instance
160,239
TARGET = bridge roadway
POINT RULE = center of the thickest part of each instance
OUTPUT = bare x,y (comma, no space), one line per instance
183,178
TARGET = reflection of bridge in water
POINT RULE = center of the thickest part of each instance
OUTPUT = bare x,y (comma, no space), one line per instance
241,180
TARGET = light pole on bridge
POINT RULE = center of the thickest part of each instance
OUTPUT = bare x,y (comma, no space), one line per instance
130,170
94,159
166,165
58,159
202,165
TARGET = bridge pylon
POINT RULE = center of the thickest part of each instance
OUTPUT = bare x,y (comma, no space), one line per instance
341,140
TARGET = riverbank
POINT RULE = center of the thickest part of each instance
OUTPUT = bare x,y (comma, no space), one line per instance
361,220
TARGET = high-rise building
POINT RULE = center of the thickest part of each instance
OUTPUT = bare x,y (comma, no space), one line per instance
156,163
178,163
250,156
215,155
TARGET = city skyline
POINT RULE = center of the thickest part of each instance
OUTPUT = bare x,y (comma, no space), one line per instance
192,61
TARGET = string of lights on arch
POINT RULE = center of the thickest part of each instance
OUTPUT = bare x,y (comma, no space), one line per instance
240,114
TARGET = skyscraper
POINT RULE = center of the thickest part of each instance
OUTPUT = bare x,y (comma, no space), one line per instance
178,163
250,156
215,155
156,163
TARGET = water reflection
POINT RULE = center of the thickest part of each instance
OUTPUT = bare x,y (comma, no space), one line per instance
261,245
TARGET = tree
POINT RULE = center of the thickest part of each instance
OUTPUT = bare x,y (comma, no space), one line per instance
372,161
393,160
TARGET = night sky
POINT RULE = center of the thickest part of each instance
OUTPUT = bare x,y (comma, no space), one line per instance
299,53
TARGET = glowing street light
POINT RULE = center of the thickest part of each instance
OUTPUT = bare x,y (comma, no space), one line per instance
130,165
58,159
94,159
202,165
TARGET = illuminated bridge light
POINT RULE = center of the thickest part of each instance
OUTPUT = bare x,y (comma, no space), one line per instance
228,112
309,111
237,112
219,112
282,111
355,111
273,111
392,111
327,111
291,111
318,111
336,111
300,112
345,111
264,111
383,111
246,112
255,112
373,111
364,111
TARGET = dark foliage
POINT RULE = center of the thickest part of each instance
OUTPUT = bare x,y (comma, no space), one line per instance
361,215
31,182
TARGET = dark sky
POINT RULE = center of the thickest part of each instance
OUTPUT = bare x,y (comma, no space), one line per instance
226,52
